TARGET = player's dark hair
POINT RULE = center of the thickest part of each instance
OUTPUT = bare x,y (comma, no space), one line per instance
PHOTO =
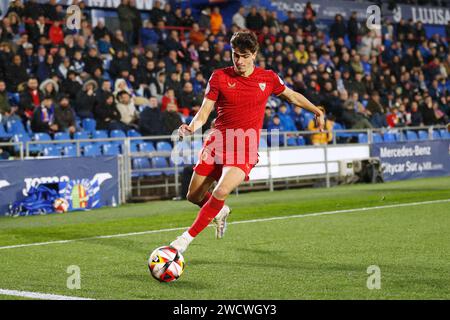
244,40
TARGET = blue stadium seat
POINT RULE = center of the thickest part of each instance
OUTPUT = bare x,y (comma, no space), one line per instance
70,151
362,138
117,134
40,136
301,141
140,163
134,146
411,135
436,135
89,125
291,141
159,162
23,137
388,137
377,138
51,151
163,146
100,134
307,117
444,134
134,134
423,135
146,147
63,136
343,135
15,127
92,150
4,134
82,135
111,149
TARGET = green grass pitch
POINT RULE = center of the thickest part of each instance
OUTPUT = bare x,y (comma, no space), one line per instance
314,257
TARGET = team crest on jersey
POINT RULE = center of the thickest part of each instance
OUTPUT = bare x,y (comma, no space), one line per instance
231,85
262,86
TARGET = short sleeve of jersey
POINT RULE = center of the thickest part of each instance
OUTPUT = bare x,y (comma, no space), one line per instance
212,89
278,84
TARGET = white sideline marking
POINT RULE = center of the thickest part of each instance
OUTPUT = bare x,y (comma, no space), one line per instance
411,204
38,295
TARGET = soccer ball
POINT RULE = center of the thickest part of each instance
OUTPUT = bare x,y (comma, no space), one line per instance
166,264
61,205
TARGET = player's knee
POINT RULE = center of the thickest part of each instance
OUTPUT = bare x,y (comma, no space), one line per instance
221,193
193,197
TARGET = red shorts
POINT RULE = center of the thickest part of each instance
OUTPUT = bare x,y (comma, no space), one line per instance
214,170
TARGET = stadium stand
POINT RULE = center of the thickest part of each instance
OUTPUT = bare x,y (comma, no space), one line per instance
394,79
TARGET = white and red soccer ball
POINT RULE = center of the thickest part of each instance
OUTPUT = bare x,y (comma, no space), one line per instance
61,205
166,264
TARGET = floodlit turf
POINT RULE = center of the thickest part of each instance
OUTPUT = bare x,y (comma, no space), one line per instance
316,257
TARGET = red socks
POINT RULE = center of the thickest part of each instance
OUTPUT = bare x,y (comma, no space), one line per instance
206,215
205,199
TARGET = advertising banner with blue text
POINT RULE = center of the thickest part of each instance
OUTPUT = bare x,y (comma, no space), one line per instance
415,159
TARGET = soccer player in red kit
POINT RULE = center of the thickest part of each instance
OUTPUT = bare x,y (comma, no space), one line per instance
240,94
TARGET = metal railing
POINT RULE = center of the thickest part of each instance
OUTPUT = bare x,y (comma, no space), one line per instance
171,174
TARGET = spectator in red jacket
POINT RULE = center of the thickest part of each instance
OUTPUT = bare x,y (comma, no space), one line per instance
56,33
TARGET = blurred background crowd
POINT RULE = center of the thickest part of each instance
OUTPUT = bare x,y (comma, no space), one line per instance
150,74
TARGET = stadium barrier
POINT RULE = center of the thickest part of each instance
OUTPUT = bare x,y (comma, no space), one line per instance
148,171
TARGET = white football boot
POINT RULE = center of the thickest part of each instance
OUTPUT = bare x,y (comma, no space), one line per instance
220,221
182,242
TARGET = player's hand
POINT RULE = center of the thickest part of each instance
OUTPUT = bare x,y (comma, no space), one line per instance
184,130
320,121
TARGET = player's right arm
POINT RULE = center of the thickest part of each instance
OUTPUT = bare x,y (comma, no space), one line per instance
199,119
211,96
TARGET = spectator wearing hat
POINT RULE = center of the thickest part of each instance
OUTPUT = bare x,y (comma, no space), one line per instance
65,116
85,101
50,88
29,59
43,117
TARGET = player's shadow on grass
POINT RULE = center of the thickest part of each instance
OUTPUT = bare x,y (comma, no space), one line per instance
147,278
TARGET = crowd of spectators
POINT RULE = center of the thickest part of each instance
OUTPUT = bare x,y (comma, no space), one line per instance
149,76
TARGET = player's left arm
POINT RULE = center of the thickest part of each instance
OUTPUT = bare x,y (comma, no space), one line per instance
297,99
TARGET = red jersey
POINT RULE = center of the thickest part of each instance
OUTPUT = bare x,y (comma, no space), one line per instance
241,101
